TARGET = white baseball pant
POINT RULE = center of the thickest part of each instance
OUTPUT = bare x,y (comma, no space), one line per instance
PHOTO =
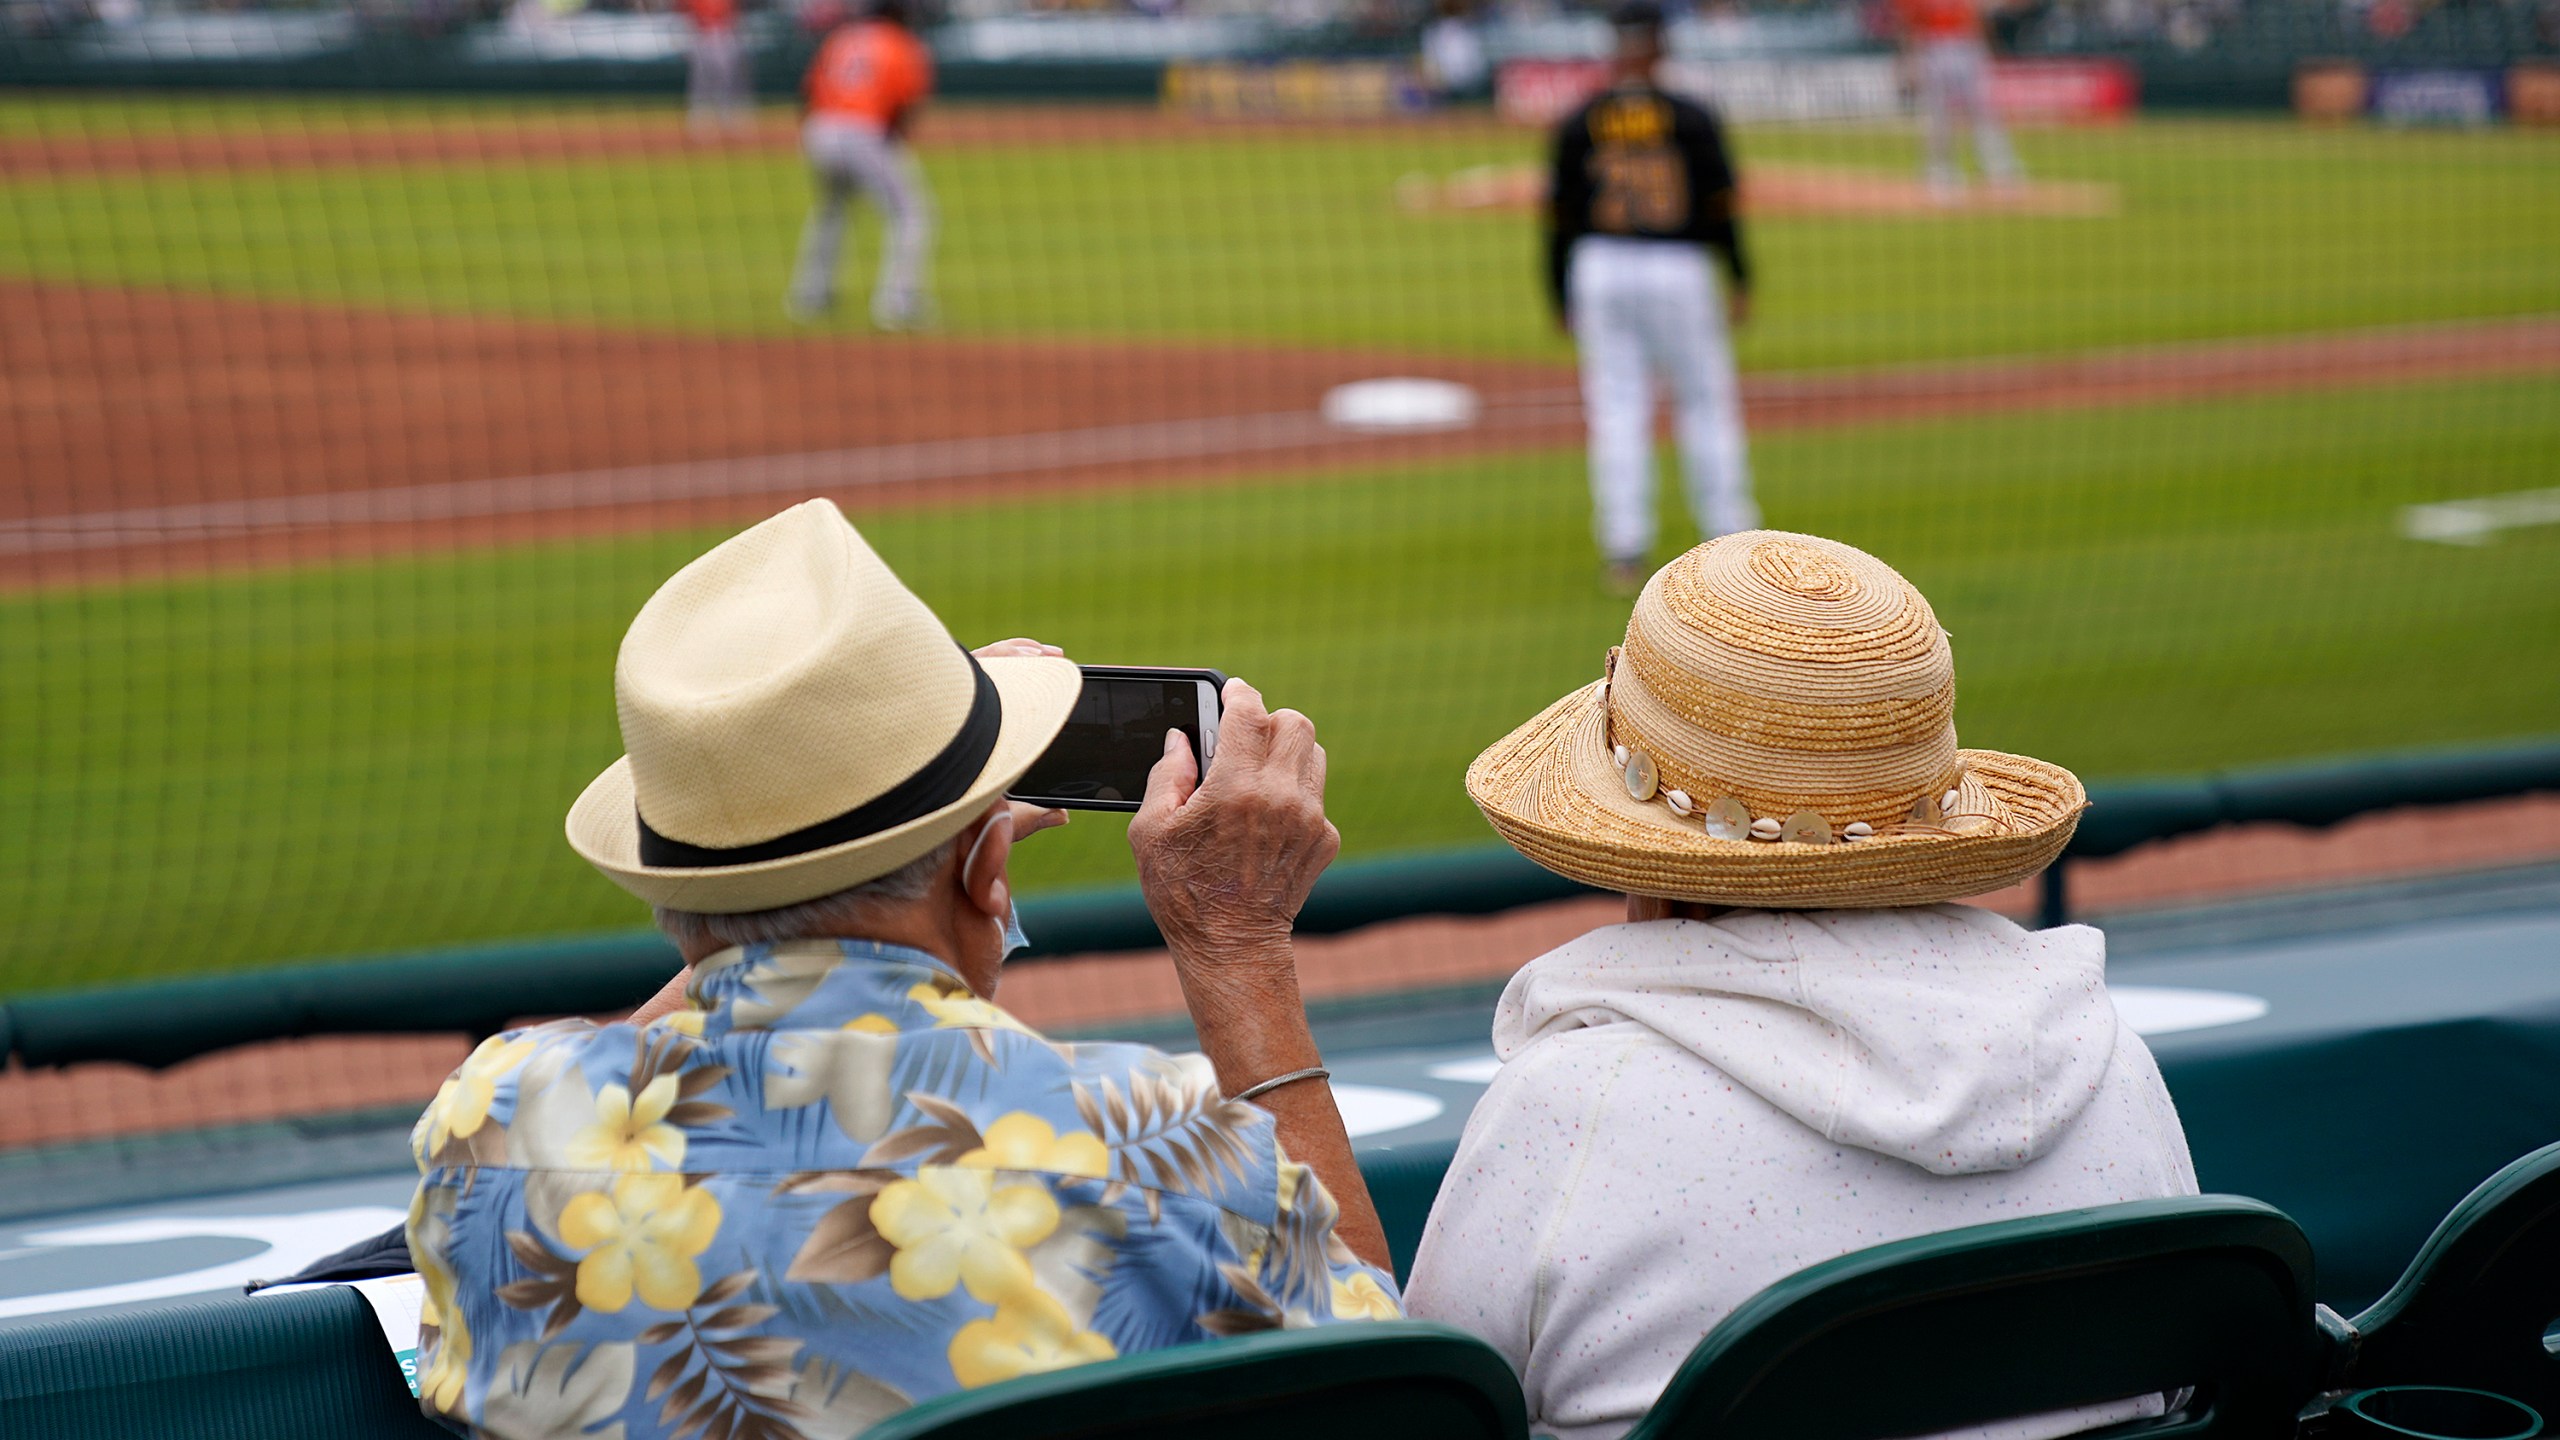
1955,75
845,157
1643,308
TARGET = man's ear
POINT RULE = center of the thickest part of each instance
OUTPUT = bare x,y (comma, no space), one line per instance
983,860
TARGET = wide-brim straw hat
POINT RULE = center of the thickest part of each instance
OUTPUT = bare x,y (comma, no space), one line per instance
1775,685
798,722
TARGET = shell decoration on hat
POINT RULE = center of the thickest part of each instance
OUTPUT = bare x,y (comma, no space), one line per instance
1777,730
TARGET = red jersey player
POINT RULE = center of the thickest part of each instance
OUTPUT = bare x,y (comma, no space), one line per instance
1942,42
717,95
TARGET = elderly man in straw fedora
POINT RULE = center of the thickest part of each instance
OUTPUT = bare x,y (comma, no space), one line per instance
1797,1045
825,1177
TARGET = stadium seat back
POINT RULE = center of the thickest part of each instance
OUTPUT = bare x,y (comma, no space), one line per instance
310,1365
1391,1380
2211,1295
2474,1306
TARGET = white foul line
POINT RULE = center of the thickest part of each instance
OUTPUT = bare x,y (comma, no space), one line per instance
2477,522
809,473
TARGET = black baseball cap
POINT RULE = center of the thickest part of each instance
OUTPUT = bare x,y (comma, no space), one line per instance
1637,15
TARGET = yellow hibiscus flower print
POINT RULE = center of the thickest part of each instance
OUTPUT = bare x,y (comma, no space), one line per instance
630,1134
961,1010
1024,1141
1361,1297
1293,1177
1029,1333
449,1363
642,1235
684,1022
874,1023
462,1103
441,1383
954,1225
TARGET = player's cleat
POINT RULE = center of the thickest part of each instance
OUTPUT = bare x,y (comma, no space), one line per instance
902,317
804,311
1625,579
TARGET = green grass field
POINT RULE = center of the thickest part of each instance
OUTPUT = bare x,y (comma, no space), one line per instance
361,756
346,757
2227,228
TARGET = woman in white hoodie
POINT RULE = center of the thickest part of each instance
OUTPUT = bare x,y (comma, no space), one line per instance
1796,1046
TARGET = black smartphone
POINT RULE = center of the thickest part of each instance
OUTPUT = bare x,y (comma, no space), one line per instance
1115,736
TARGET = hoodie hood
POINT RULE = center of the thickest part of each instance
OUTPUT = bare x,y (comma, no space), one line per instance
1947,1037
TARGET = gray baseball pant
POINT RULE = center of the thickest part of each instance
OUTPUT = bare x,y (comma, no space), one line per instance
1956,75
717,90
846,157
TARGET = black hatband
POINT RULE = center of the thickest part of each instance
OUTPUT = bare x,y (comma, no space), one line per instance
943,779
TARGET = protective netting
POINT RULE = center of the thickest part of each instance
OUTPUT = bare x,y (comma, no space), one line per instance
342,433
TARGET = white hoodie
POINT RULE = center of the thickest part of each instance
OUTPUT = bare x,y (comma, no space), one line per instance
1690,1110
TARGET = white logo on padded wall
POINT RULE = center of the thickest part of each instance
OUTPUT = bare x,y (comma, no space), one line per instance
290,1241
1379,1110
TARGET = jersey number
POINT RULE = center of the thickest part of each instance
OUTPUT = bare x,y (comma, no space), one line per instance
851,70
1639,189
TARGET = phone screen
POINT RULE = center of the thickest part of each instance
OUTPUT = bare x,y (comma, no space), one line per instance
1113,738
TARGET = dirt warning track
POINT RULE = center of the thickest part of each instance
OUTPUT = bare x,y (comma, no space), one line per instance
145,432
539,135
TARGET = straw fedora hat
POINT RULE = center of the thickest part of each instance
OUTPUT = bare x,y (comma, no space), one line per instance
1778,732
798,722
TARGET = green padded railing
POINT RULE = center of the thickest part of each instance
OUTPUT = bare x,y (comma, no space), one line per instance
1380,1380
2124,815
480,990
311,1364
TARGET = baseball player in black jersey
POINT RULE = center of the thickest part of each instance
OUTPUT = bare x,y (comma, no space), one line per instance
1642,190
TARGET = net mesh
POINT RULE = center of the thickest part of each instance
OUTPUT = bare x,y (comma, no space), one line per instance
341,434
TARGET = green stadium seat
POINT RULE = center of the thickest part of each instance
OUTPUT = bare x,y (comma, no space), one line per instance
1390,1380
311,1365
2212,1293
2473,1308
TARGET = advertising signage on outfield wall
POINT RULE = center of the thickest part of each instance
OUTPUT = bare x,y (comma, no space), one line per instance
2064,91
1294,90
1838,87
2342,90
2436,96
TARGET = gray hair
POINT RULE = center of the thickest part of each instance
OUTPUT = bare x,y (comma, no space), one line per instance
835,914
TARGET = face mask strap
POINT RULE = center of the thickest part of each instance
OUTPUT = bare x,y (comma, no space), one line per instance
969,866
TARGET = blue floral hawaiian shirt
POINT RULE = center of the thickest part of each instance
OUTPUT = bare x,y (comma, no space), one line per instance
837,1184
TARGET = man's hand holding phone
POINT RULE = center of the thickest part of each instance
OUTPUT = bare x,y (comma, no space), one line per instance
1226,864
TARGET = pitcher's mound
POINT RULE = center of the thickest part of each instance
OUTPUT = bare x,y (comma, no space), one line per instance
1830,190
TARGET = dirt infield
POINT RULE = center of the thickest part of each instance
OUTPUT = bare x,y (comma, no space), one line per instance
146,431
321,1075
614,133
151,432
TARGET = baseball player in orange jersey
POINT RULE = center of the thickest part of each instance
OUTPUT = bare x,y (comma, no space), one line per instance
1943,44
863,91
